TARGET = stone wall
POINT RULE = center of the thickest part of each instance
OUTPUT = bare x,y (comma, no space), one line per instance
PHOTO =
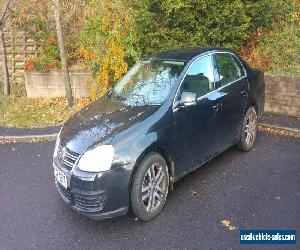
52,84
282,95
282,92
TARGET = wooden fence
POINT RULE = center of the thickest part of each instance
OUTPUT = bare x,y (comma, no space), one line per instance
19,48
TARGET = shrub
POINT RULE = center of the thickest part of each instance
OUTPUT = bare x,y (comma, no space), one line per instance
276,48
48,58
282,46
107,45
163,24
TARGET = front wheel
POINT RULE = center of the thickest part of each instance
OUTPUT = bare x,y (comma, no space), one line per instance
249,131
150,187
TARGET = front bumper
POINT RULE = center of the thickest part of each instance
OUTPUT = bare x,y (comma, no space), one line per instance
97,196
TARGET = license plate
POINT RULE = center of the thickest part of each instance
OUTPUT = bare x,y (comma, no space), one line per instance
61,177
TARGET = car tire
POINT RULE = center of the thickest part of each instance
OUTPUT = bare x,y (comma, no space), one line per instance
150,187
249,131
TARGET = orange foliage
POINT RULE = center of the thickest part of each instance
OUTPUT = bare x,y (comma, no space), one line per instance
29,65
87,55
115,27
50,66
252,54
115,24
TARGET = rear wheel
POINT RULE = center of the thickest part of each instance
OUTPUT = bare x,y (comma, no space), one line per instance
150,187
249,131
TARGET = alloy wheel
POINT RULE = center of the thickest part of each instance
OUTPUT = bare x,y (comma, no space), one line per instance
154,187
251,128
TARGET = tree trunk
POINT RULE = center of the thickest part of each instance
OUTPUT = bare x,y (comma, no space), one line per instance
5,75
62,53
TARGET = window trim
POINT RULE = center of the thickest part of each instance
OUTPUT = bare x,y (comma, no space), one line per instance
214,68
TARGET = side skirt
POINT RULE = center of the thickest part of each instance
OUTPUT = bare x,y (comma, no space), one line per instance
201,164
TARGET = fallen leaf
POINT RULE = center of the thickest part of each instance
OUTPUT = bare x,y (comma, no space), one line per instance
226,223
280,131
194,193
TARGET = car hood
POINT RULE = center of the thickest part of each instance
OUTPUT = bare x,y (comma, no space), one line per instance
100,121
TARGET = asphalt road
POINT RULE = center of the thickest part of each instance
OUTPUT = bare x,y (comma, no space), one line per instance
255,190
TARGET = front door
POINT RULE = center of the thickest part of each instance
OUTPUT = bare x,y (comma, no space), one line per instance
232,86
195,125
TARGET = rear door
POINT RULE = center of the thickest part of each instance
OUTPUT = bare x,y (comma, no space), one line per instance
232,87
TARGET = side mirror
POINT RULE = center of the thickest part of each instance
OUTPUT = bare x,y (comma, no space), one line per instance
188,99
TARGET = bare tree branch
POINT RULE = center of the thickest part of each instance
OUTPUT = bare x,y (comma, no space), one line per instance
3,21
63,57
5,13
7,26
5,74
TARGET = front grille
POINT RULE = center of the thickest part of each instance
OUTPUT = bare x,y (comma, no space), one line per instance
86,202
66,158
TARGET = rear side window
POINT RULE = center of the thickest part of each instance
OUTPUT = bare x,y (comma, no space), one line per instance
229,68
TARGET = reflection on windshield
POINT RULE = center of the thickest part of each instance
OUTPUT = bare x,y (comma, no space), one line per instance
148,82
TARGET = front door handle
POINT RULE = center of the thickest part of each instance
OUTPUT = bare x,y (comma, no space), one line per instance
217,107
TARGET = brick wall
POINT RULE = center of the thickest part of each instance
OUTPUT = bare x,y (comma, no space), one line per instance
283,95
52,85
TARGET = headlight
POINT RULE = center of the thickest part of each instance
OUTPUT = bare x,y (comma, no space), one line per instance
97,159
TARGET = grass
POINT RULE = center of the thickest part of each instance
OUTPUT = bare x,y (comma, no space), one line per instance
23,112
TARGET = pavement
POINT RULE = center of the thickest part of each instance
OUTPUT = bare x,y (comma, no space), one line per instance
5,131
255,190
28,134
281,121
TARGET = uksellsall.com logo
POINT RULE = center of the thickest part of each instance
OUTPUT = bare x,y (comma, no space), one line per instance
268,236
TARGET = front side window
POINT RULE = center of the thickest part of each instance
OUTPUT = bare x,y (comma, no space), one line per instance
200,77
229,68
148,82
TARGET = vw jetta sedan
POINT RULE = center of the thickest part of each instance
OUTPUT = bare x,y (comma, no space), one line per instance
170,114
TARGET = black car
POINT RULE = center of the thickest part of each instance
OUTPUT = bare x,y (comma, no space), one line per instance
170,114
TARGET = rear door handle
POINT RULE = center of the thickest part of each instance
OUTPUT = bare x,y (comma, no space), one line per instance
217,107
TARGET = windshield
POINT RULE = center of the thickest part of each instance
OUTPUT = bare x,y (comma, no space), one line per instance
148,82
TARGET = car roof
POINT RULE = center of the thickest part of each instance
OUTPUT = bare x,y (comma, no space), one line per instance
185,54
